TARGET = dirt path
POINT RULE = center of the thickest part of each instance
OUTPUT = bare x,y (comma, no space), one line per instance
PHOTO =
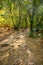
19,49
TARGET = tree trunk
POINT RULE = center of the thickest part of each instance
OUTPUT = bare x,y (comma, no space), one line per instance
19,15
11,14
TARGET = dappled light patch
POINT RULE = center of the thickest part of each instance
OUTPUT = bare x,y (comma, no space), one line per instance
20,40
5,40
29,52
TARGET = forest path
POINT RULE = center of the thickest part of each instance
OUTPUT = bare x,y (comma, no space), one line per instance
19,49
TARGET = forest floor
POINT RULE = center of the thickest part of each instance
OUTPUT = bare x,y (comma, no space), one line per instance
17,48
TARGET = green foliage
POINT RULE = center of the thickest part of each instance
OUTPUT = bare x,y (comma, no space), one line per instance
22,13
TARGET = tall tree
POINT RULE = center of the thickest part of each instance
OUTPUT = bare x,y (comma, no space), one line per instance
33,6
